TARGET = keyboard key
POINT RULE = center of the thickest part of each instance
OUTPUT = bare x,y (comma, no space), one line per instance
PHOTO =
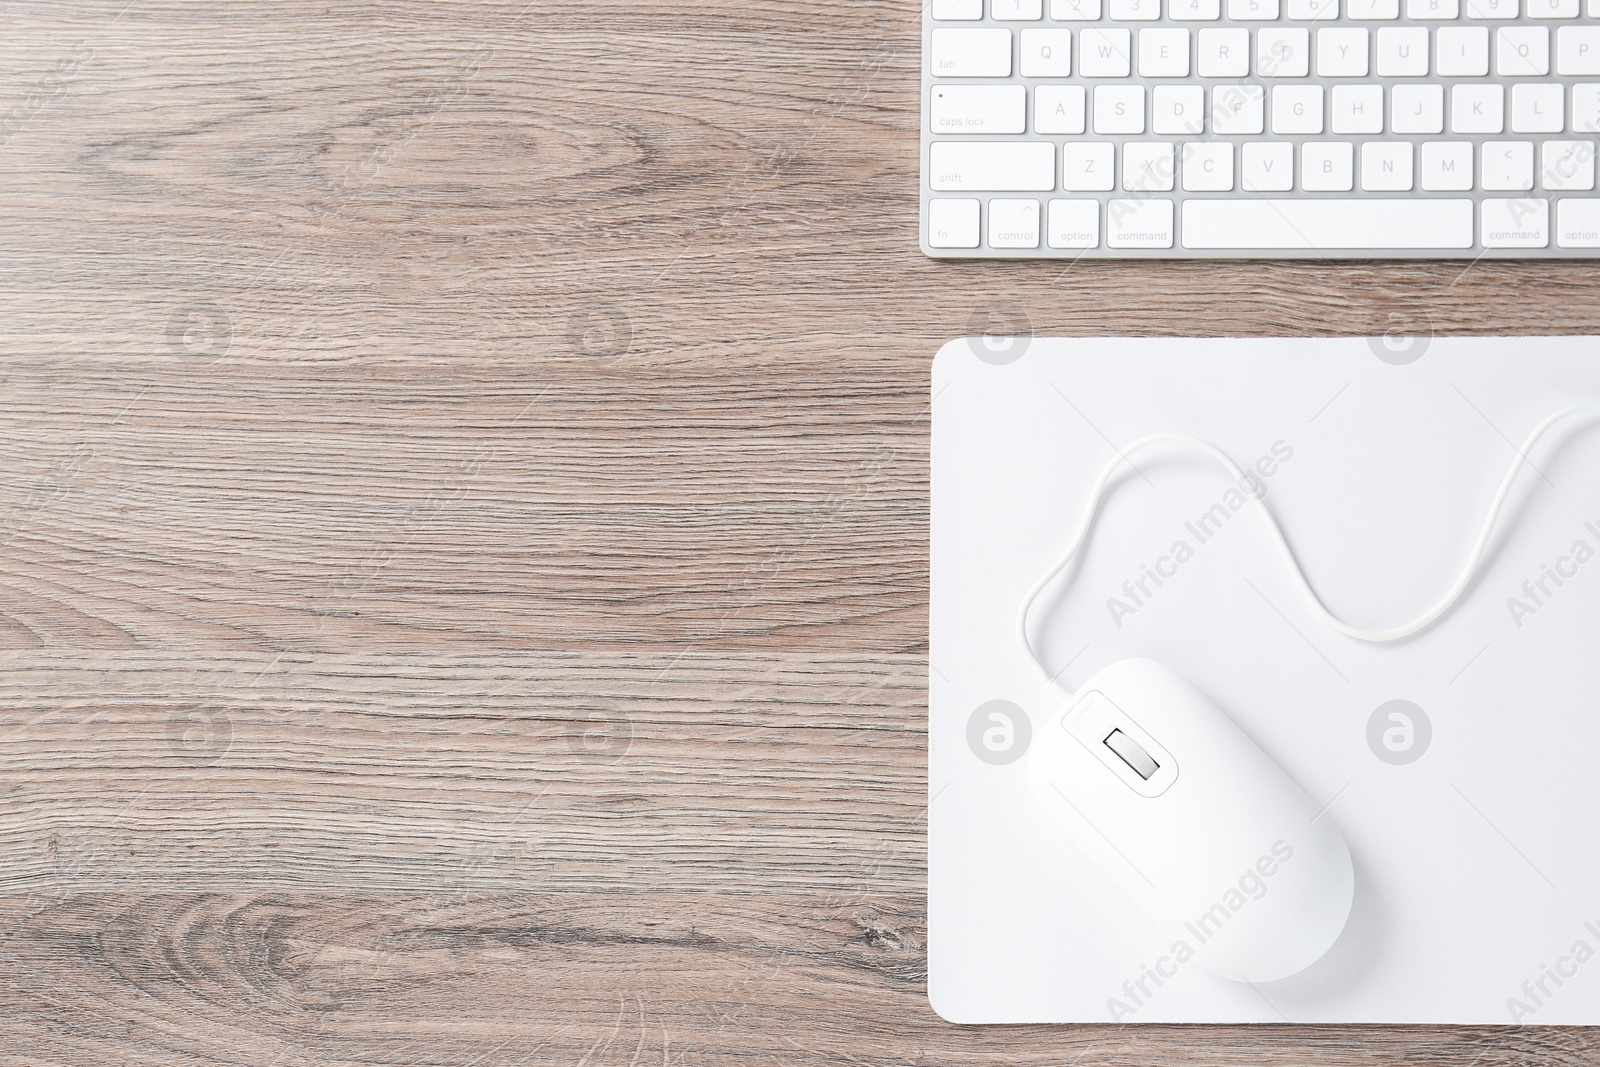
1492,9
1046,53
1522,51
1447,166
1313,10
1013,223
1135,10
1342,53
1224,53
998,166
1075,10
1477,108
979,109
1578,223
1058,109
1016,10
1402,52
1119,109
1365,223
1148,166
1194,10
1297,109
1506,165
1463,51
1417,109
957,10
1164,53
1537,108
1522,223
1552,9
1139,223
1105,53
1256,10
1266,166
953,223
1178,109
1433,9
1284,53
1567,165
1578,50
1386,166
1208,166
1074,224
1371,10
976,53
1358,109
1327,166
1088,166
1586,108
1239,109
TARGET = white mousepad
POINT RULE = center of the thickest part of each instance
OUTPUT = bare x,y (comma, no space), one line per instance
1460,764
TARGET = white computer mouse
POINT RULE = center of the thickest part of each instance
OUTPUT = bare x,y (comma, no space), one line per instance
1194,823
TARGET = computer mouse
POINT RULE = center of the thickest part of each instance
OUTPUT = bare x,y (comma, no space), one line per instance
1199,828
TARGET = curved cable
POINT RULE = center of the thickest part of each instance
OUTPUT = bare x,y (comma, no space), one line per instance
1445,603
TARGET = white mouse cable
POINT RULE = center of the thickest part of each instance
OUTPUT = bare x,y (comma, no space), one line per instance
1445,603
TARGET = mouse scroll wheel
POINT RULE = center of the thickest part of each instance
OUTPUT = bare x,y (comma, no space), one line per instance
1133,754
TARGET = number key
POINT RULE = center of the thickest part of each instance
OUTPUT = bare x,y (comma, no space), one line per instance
1433,9
1135,10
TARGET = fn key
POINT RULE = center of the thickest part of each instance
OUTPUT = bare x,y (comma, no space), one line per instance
953,223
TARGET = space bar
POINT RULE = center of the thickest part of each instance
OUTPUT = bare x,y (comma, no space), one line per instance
1327,224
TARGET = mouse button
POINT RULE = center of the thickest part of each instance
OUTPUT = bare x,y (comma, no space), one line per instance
1121,745
1133,754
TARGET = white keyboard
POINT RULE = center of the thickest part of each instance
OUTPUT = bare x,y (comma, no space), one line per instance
1282,128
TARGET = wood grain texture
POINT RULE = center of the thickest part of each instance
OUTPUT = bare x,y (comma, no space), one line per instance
463,535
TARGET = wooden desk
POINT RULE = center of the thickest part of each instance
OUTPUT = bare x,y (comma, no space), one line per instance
464,527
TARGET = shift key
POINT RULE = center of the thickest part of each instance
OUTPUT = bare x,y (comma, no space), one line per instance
992,166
